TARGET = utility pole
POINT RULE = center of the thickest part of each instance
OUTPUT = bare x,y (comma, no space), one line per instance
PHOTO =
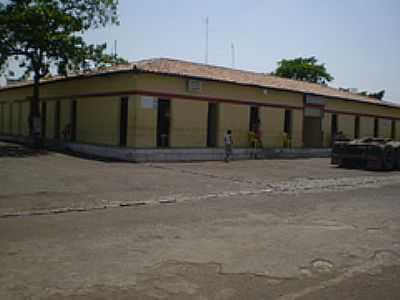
206,55
115,48
233,54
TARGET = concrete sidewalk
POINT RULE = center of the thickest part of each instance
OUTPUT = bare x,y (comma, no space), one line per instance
177,154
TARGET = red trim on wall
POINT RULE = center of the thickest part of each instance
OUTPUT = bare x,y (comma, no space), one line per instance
172,95
338,112
207,99
212,99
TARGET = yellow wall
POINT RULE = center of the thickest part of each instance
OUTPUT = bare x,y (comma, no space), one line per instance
346,125
16,118
385,128
104,84
236,118
142,124
50,119
188,123
6,121
164,84
272,124
327,130
397,130
98,120
297,128
1,118
362,108
25,118
366,127
65,115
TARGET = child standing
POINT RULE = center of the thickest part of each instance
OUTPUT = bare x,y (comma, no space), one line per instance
228,141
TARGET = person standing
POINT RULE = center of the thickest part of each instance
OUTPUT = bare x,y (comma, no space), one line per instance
228,142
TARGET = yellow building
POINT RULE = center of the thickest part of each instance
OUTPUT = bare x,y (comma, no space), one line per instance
165,103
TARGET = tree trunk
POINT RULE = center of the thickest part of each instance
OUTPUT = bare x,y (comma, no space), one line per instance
34,117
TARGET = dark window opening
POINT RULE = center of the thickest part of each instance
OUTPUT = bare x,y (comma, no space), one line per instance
123,126
73,120
393,131
312,132
44,118
10,121
19,119
357,127
254,118
57,120
334,125
212,124
376,127
163,123
334,128
288,123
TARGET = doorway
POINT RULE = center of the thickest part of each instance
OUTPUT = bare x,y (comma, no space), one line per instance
254,118
73,120
163,123
44,118
357,127
123,125
212,125
312,132
376,127
288,123
57,120
393,130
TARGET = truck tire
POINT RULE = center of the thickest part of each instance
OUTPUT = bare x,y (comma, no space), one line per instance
389,158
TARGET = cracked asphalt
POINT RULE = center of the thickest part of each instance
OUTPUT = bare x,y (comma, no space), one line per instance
75,228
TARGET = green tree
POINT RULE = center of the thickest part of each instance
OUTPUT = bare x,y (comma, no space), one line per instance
305,69
378,95
43,35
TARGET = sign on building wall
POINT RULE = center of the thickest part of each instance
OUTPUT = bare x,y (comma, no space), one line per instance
315,100
148,102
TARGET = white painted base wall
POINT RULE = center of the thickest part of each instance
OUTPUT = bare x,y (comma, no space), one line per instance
181,154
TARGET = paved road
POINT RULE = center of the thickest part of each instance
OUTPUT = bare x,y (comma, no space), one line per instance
276,229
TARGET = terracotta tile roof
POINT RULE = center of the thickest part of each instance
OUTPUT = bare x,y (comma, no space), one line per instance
190,69
176,67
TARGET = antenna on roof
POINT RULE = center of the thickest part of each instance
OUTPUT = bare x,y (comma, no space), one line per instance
115,49
233,54
206,55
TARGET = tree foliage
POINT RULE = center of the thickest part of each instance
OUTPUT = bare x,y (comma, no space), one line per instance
376,95
47,34
305,69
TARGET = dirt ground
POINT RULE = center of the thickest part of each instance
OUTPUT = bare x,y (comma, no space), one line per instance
75,228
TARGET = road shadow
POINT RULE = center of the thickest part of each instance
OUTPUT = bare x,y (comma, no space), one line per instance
13,150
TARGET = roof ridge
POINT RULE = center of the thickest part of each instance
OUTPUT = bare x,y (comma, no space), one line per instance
253,72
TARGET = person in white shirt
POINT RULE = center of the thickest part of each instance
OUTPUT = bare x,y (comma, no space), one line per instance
228,141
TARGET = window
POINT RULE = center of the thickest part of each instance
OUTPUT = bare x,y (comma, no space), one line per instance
288,122
393,133
254,118
376,127
123,126
334,125
357,127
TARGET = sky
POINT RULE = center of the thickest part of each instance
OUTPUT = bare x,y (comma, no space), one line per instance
358,40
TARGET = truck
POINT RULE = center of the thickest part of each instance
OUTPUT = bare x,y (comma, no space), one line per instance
367,153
